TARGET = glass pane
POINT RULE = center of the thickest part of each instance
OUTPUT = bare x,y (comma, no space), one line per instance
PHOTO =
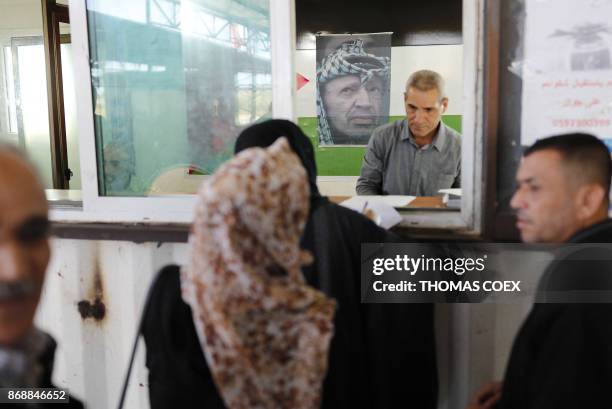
32,104
64,29
72,139
346,160
174,82
10,90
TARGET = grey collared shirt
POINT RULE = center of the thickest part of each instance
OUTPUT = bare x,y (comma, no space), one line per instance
395,165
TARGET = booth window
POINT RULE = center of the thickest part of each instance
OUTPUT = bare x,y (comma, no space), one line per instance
173,83
433,42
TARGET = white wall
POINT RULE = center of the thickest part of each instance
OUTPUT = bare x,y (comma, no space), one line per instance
445,59
92,357
473,341
20,14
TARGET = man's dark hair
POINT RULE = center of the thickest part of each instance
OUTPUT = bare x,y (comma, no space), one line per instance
582,151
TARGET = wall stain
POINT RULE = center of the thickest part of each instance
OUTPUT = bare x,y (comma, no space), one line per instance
94,308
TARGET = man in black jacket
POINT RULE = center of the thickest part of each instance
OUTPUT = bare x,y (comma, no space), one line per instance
562,356
26,353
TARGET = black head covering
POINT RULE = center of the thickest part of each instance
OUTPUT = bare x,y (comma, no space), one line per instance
265,133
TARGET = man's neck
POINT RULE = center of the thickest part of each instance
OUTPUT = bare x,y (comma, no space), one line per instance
426,139
600,216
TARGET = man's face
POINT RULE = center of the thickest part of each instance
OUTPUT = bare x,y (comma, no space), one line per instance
424,110
352,108
24,247
546,211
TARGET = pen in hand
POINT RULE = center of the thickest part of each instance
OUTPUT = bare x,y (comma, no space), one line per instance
365,206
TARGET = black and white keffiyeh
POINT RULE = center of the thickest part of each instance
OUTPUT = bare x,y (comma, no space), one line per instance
348,59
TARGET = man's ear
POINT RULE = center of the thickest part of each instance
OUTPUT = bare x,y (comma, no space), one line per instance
444,105
590,198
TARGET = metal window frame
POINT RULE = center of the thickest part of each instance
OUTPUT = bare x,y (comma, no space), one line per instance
53,14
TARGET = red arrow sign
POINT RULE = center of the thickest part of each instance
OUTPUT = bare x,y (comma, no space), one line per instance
301,81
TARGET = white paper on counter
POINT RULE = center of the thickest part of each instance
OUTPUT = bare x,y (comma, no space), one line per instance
452,191
391,200
385,214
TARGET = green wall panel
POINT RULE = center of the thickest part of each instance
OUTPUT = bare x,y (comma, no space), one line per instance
338,161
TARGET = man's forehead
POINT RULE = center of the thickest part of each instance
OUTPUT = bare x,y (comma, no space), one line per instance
429,97
540,165
344,80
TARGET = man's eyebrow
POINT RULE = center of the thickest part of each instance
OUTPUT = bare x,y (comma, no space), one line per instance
33,228
528,180
414,106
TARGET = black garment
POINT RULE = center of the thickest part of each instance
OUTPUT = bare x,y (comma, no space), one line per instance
47,359
562,356
266,133
178,373
382,356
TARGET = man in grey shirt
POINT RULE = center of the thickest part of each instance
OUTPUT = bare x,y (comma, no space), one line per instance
418,155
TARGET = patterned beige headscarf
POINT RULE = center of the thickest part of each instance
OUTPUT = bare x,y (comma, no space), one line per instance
264,331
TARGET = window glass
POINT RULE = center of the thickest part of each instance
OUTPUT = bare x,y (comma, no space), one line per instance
174,82
10,91
346,159
348,85
33,111
72,137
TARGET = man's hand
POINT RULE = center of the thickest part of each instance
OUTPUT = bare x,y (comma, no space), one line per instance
487,397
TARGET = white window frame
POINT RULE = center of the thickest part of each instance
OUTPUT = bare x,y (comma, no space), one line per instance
171,209
179,208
